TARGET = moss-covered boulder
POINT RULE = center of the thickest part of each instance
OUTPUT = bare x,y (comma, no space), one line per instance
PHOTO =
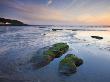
45,55
75,59
69,64
59,49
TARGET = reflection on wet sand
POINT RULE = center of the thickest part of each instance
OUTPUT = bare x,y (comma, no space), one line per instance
18,44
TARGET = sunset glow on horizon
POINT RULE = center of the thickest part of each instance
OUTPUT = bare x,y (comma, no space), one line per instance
74,12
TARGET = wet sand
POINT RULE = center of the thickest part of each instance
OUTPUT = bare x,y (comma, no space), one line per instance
17,44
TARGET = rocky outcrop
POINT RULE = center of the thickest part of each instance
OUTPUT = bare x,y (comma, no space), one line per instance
10,22
69,64
45,55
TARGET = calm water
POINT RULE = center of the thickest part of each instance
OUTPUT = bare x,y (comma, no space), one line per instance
17,44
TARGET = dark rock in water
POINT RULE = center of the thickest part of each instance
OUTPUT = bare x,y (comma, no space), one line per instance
97,37
44,34
42,27
74,29
38,59
69,64
53,29
56,29
45,55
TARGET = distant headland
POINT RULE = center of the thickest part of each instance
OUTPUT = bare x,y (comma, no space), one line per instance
10,22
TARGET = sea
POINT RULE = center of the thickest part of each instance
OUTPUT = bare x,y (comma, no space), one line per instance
18,43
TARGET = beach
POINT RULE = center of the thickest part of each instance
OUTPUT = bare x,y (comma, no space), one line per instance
18,43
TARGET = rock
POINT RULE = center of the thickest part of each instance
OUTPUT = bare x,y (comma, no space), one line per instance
97,37
59,49
45,55
53,29
42,27
44,34
67,67
39,60
56,29
69,64
77,61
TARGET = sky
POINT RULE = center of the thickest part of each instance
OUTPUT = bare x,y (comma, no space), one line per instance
64,12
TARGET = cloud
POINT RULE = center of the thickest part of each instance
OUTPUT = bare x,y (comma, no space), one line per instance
49,2
33,14
100,19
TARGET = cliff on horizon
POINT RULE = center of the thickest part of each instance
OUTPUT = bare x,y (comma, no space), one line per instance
10,22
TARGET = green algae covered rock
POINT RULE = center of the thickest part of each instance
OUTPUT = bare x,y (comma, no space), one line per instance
69,64
56,50
45,55
59,49
75,59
